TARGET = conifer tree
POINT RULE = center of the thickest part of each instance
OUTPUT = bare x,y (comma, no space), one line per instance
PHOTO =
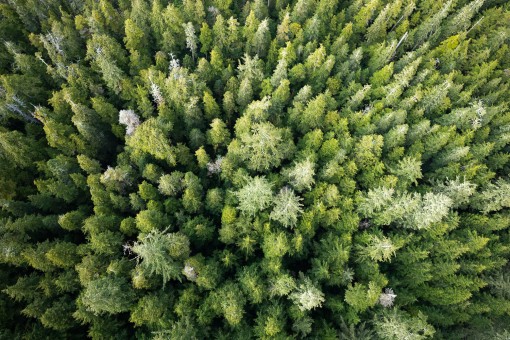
278,169
255,196
161,253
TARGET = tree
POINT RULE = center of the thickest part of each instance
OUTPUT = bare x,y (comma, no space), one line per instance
301,175
261,39
245,94
251,68
459,191
462,20
430,26
283,29
256,195
280,72
150,220
192,196
137,43
171,184
286,208
376,248
107,54
218,135
206,38
301,10
162,253
108,294
313,116
493,198
130,119
16,149
59,315
387,298
265,146
150,137
270,321
191,38
211,108
398,325
118,179
254,169
63,254
150,309
230,302
410,211
89,126
220,32
360,297
234,37
306,296
408,171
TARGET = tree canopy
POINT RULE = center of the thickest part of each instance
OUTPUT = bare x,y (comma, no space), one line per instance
281,169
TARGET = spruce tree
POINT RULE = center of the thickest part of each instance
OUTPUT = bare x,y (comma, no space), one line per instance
254,169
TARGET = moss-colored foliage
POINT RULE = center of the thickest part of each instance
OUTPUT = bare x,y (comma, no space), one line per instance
282,169
108,295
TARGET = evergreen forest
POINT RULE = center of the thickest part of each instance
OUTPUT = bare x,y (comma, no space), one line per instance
255,169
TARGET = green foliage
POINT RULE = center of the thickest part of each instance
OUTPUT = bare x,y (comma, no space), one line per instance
376,248
264,146
494,197
108,294
306,296
230,302
286,208
171,184
150,138
301,175
410,211
360,297
218,134
279,169
150,309
398,325
162,254
408,171
256,195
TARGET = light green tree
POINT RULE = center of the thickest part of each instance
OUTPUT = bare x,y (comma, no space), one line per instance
191,38
306,295
395,324
377,248
162,253
108,294
256,195
265,146
287,208
301,175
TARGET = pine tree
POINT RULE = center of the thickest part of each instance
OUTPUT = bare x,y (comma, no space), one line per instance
162,253
205,38
255,195
493,198
150,137
261,39
191,39
306,296
399,325
286,208
218,134
376,248
265,146
259,169
108,294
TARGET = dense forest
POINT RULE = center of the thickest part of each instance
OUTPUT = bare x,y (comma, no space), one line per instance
268,169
